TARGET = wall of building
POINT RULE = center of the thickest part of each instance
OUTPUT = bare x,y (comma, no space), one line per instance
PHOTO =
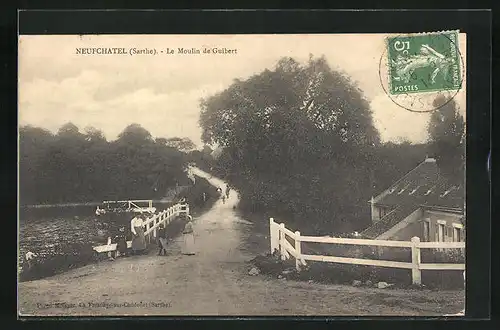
376,210
413,225
448,219
406,229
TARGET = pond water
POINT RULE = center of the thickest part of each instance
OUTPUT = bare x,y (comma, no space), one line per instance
63,237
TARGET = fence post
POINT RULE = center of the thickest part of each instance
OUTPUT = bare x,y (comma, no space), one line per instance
149,234
298,250
282,241
155,222
416,273
272,235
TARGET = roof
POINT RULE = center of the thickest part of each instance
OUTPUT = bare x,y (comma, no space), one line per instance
388,221
424,186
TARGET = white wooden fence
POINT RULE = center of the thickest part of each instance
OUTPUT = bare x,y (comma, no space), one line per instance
279,242
152,223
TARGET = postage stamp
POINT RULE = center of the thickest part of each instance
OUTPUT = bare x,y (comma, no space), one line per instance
424,63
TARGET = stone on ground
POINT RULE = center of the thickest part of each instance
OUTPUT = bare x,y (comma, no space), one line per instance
254,271
383,285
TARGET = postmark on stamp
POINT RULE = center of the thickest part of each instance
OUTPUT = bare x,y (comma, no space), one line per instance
424,63
415,66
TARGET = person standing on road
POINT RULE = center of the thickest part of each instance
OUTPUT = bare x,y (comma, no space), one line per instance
228,189
110,253
30,259
188,233
138,240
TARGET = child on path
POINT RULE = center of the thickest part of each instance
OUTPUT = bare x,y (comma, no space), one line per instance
162,241
121,243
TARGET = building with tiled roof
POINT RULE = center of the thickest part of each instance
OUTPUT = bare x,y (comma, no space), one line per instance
423,204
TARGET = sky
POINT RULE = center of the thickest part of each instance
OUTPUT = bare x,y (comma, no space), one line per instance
162,92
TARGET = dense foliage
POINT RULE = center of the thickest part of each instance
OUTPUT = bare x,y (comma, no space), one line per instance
71,166
447,139
299,142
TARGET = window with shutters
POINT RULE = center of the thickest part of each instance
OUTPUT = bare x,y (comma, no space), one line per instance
427,230
449,233
457,232
382,211
441,230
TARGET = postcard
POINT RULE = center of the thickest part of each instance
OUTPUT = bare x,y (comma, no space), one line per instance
227,175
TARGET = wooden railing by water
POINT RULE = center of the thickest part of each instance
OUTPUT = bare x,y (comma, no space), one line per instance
152,224
280,236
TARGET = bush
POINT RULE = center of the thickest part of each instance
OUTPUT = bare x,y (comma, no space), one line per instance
335,273
446,279
68,257
194,195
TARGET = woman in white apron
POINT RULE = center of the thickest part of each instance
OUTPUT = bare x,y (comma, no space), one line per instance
138,240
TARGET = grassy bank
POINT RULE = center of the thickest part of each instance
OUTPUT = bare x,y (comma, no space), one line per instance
331,273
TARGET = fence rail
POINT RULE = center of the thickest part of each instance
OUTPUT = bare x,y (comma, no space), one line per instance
280,243
152,224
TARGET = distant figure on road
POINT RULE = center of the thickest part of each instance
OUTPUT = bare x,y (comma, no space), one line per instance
228,189
138,240
162,241
188,233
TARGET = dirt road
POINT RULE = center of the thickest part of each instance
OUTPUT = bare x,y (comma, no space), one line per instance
214,282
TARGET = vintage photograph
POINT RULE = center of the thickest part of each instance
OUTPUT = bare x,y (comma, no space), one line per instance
227,175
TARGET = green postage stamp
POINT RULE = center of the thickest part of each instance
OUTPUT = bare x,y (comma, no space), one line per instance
424,63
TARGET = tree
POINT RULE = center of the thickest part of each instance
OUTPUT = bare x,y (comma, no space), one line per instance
181,144
295,134
207,150
161,141
34,144
68,130
73,167
93,134
135,134
446,132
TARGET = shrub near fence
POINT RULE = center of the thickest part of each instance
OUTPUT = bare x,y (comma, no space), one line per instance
399,261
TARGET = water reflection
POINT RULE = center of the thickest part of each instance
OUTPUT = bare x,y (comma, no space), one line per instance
63,237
